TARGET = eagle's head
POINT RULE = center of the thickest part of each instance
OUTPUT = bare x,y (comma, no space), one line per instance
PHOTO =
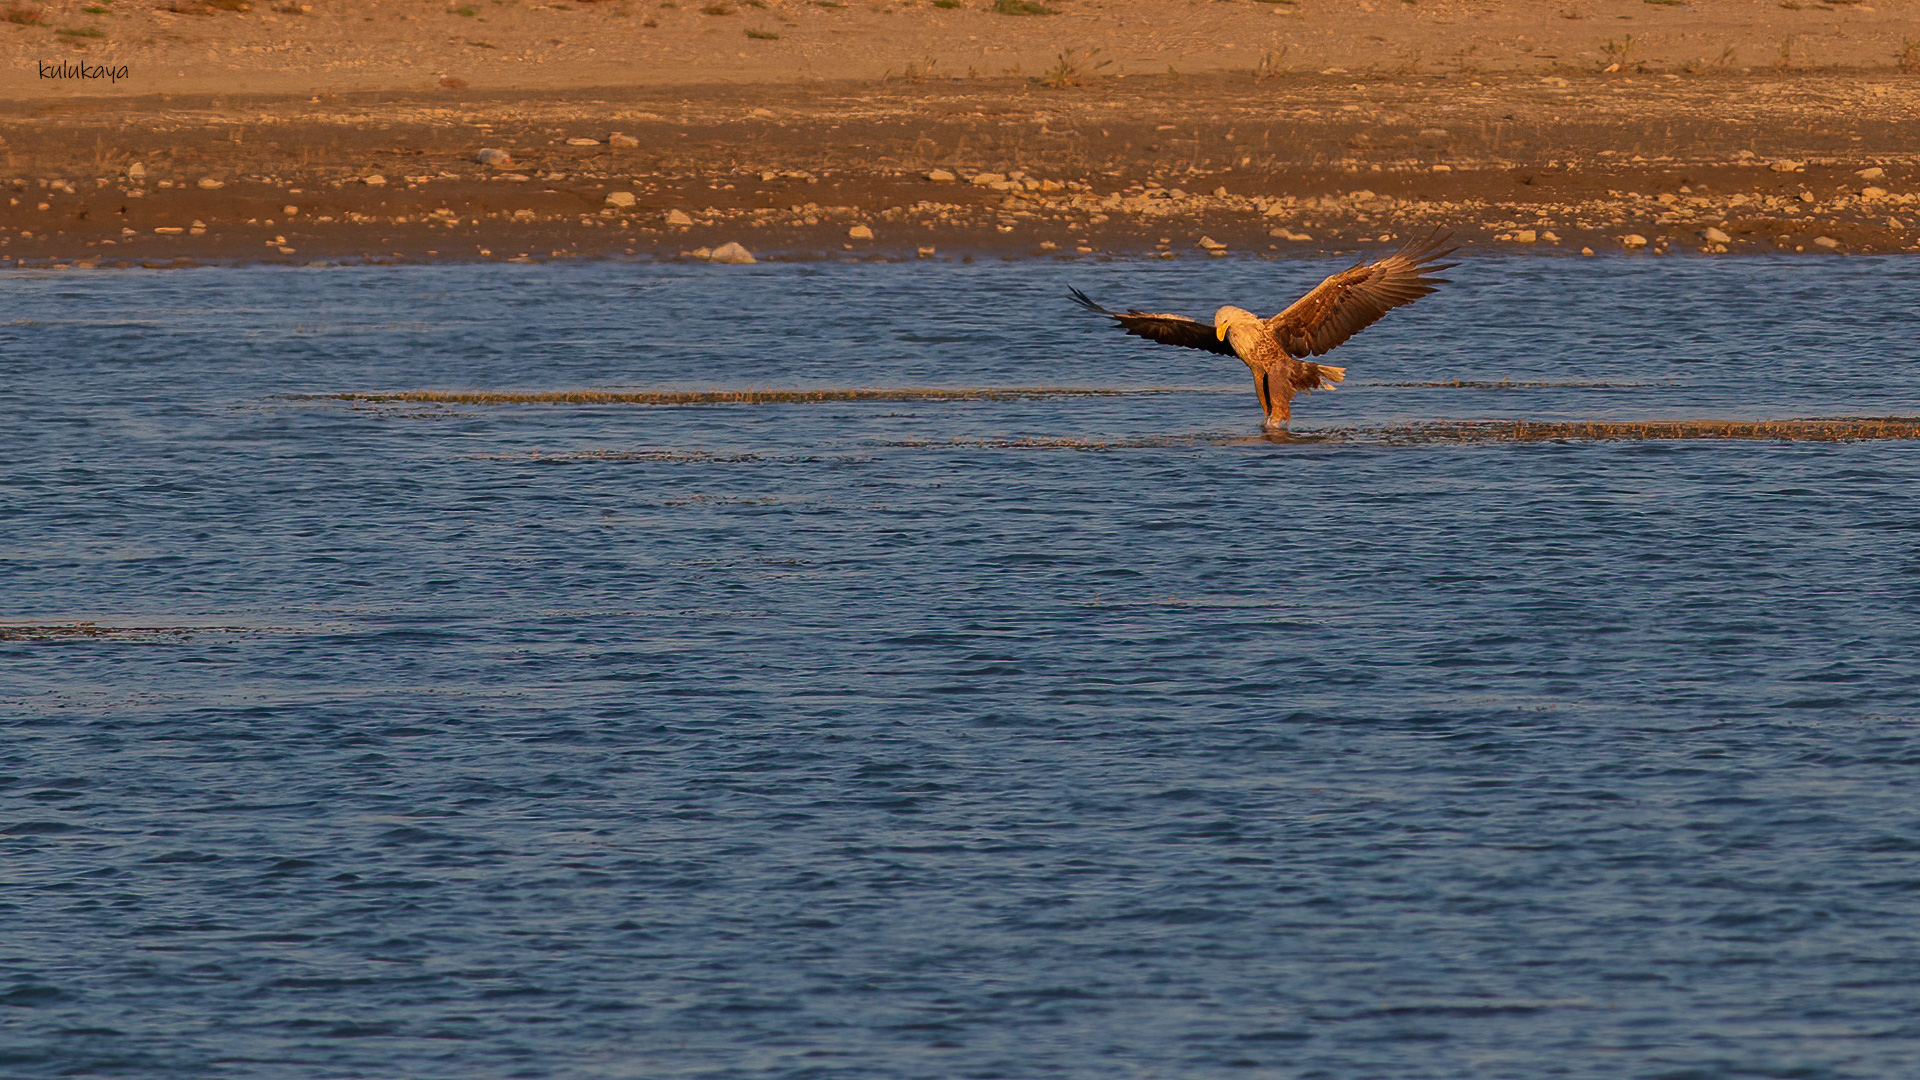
1225,319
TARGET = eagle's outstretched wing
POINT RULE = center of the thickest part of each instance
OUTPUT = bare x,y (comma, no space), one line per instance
1352,300
1165,329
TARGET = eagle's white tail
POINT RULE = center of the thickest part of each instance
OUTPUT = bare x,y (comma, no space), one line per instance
1329,375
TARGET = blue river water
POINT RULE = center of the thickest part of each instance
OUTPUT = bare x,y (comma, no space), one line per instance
1082,737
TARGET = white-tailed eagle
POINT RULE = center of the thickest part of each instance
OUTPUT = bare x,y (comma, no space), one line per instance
1338,308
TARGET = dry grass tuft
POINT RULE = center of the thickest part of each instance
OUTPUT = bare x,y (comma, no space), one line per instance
1073,70
919,71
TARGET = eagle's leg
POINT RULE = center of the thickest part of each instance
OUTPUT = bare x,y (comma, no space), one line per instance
1276,397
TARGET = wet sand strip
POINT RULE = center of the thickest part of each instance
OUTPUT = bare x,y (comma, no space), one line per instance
1517,384
89,631
1829,429
1443,432
753,397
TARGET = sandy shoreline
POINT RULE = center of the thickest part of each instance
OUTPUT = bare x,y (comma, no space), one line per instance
1552,155
306,47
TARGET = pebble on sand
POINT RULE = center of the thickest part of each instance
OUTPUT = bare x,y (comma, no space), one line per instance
678,217
583,142
1787,165
1827,242
621,199
941,176
1714,236
136,171
496,158
859,232
210,183
926,252
1586,251
622,142
1525,236
1633,240
731,252
1873,173
1208,243
376,180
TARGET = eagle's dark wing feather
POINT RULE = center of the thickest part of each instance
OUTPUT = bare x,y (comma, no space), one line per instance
1352,300
1165,329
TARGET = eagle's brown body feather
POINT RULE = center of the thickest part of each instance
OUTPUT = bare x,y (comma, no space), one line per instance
1338,308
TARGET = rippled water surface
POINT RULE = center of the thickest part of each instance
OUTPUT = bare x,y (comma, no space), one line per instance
1084,737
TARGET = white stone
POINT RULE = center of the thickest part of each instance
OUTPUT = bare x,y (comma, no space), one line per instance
1873,193
496,158
987,179
289,210
1873,173
941,176
583,142
376,180
1714,236
1634,240
136,171
622,142
859,232
210,183
1443,168
1525,236
1827,242
1210,244
621,199
733,253
1787,165
678,217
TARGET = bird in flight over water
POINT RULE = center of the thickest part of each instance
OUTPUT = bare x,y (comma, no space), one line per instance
1337,308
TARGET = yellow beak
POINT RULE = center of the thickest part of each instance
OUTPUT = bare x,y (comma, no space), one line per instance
1220,331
